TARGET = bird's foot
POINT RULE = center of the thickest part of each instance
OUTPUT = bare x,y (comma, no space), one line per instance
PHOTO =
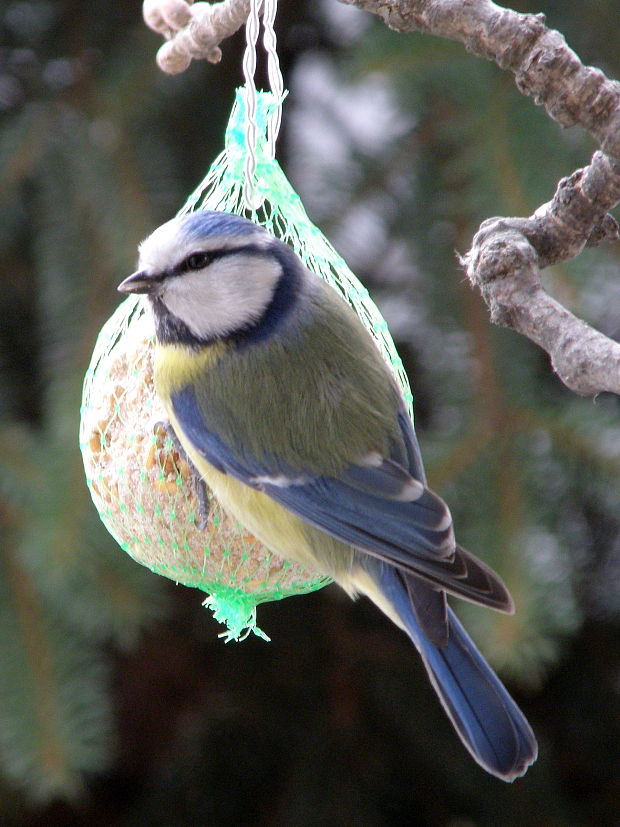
200,488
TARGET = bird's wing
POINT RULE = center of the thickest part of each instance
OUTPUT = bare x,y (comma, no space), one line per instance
375,506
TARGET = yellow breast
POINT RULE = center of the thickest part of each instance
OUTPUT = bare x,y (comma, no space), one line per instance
176,366
278,529
275,527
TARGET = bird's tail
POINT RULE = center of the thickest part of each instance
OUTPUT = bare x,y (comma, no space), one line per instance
489,722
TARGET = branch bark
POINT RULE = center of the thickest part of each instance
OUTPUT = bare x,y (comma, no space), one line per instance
192,31
507,254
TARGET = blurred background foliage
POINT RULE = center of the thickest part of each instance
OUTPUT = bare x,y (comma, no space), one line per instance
118,703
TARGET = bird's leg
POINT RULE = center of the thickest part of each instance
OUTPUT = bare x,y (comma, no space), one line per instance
200,487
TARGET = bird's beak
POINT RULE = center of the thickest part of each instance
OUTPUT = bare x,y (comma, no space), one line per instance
140,282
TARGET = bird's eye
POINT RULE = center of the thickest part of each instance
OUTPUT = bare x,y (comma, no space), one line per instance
196,261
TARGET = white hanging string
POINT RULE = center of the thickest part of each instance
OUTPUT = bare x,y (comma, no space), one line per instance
252,199
249,68
276,82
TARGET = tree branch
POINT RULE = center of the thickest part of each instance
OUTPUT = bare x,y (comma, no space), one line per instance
192,31
508,253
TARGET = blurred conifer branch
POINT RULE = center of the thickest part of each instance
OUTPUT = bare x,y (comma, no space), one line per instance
508,253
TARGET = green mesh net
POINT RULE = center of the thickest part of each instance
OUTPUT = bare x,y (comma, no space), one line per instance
283,214
144,490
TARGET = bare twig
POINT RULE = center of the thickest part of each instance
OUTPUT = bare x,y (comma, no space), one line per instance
192,31
508,253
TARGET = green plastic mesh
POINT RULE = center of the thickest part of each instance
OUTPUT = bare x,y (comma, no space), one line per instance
143,489
283,214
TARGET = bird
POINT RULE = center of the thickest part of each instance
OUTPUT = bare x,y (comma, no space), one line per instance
285,406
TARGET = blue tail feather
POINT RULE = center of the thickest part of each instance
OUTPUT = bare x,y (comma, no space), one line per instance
489,722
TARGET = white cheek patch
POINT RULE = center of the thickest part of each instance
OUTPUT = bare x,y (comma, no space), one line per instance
228,295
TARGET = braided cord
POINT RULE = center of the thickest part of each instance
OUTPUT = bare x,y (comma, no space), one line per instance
253,199
276,82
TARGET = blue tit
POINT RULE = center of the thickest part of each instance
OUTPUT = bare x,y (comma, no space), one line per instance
284,404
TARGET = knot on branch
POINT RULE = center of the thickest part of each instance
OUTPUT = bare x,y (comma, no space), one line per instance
192,31
503,264
577,215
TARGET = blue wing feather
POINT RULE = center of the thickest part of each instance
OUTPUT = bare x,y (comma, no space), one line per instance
363,508
413,458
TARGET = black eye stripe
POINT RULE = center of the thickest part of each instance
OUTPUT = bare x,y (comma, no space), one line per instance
196,261
202,258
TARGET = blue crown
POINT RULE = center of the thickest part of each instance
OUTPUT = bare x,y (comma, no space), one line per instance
205,223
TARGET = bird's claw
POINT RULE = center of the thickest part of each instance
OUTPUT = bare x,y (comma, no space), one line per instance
200,488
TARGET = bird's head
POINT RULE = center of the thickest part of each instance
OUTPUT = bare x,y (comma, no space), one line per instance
208,274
